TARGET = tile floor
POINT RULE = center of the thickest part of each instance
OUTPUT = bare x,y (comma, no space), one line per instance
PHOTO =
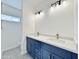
15,54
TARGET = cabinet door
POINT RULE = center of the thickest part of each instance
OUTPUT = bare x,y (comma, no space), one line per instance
60,53
37,48
53,56
45,54
28,45
74,56
37,57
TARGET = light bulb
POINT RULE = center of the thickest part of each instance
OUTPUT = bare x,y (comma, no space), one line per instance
51,9
39,16
42,15
64,3
57,5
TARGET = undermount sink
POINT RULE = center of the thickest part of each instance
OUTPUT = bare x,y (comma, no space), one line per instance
63,42
57,40
54,39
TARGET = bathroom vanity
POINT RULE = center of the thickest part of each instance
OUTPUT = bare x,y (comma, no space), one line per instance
40,49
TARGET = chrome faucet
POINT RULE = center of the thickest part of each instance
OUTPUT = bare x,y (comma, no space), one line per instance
57,36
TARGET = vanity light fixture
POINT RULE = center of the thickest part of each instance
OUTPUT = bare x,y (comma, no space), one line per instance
38,12
56,3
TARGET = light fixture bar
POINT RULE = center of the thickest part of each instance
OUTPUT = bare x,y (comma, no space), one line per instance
38,12
57,2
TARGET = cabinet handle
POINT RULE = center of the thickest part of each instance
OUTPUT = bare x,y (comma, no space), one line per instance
51,57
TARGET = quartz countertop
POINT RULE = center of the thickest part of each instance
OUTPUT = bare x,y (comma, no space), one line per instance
69,45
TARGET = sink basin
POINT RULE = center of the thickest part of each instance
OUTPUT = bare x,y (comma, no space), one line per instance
63,42
57,40
52,39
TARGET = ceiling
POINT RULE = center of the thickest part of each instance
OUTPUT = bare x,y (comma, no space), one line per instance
34,5
37,5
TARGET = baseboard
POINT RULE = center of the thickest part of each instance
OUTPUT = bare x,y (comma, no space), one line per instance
11,48
22,53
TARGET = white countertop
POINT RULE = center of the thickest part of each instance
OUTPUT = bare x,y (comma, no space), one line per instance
69,45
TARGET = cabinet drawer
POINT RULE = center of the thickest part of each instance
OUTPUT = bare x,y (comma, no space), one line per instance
37,45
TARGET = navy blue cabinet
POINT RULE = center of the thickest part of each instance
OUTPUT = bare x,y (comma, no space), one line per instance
74,56
30,46
34,48
61,53
53,56
41,50
45,54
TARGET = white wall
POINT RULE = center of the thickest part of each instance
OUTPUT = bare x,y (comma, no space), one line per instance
11,35
76,21
27,24
61,21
